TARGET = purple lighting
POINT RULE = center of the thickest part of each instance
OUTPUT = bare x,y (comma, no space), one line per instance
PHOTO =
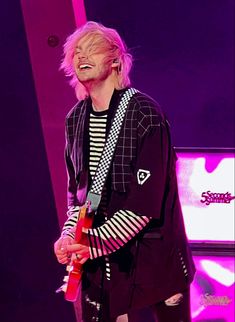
206,188
212,292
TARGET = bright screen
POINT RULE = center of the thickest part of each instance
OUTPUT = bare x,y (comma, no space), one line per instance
206,188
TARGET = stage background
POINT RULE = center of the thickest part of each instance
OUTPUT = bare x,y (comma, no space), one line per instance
183,57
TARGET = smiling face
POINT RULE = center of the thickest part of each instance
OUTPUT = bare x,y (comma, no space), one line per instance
91,59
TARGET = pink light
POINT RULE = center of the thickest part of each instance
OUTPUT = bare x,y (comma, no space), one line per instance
199,173
216,271
212,294
79,12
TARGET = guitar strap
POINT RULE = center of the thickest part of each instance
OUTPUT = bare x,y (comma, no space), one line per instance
94,195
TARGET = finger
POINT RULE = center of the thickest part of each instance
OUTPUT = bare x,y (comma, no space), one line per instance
63,256
79,257
83,260
74,248
60,252
63,259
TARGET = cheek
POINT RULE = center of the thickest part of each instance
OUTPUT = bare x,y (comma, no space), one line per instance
74,61
107,61
106,64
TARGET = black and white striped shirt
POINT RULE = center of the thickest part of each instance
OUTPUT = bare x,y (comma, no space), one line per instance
124,224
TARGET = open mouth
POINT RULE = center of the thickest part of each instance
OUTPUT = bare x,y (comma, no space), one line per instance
85,66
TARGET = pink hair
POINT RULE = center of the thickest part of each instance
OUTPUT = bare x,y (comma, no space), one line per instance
116,49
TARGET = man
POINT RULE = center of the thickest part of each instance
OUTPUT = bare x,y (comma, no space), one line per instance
136,255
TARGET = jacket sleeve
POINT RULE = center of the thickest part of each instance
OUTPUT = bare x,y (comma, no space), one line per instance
149,181
146,192
73,183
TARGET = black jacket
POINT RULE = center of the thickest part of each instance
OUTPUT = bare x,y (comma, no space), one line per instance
157,263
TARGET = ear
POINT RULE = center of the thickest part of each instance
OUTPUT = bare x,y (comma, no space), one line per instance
115,63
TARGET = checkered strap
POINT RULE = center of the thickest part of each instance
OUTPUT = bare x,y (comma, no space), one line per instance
94,195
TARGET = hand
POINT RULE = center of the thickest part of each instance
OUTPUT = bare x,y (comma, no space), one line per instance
81,252
60,249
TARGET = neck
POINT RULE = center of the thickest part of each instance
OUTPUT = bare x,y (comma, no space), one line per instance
101,93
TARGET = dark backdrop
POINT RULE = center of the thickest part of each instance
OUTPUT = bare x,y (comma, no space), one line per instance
29,273
184,58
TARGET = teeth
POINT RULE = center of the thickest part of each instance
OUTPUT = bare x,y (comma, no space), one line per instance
85,66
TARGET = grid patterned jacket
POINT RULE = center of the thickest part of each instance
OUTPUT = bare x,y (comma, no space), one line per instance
143,116
144,148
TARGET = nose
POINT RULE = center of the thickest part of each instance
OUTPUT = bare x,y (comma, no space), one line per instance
82,55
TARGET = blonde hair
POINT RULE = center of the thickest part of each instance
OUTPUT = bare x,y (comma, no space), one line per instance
116,51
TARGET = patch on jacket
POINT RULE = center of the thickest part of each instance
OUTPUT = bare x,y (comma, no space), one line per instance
142,176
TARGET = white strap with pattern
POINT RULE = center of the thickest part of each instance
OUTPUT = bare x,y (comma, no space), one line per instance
94,195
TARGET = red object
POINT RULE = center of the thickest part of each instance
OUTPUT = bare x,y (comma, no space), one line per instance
75,268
